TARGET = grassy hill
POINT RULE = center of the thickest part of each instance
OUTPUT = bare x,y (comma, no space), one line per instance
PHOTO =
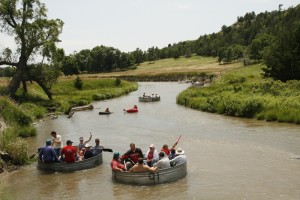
171,67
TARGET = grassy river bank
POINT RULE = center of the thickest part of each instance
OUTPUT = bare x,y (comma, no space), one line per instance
18,115
244,93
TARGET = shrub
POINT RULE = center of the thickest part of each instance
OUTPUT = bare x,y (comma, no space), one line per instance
12,114
97,97
18,150
27,131
118,82
78,83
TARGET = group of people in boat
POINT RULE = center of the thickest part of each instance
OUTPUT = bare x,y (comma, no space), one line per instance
135,161
150,96
54,151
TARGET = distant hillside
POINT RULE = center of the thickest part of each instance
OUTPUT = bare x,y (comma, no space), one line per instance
244,41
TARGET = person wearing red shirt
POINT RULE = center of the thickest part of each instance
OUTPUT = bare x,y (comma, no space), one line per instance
69,153
115,163
166,149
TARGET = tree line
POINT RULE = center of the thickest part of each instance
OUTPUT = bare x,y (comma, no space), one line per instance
272,37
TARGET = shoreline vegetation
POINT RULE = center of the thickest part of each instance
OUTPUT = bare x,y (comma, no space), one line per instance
18,115
244,93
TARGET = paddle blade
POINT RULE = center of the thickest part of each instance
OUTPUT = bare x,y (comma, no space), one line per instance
32,156
107,150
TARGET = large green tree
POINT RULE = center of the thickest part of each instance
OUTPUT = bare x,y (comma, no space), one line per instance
282,58
35,37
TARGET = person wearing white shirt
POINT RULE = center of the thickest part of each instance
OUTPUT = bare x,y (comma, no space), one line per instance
56,143
151,155
164,161
179,159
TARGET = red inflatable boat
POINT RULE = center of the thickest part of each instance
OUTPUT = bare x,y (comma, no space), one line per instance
131,110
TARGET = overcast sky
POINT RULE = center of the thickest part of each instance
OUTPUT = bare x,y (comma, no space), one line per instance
131,24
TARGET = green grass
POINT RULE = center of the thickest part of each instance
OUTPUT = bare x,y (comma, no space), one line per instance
244,93
65,94
34,105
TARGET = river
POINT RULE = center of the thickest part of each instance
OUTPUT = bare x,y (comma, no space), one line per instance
228,158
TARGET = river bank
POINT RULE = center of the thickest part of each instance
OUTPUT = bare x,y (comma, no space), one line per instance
244,93
19,114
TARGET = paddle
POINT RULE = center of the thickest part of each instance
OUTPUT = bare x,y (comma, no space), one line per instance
131,161
176,142
32,156
107,150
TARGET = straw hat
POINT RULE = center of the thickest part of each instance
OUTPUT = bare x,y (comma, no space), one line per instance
179,151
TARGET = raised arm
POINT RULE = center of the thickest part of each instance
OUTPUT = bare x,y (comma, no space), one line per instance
89,138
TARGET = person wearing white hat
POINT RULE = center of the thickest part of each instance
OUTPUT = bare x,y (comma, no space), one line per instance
88,152
179,159
151,155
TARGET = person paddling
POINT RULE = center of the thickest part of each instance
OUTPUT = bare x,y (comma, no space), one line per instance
133,154
47,153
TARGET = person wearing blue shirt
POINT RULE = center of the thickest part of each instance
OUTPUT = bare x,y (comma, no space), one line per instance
47,153
88,152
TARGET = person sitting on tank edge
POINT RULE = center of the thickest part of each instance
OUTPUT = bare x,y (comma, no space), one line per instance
140,167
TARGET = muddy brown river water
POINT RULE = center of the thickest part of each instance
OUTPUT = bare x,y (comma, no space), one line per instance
228,158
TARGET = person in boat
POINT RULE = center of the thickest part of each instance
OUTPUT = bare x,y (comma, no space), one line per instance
47,153
116,164
97,149
133,154
179,159
88,152
107,110
151,155
140,167
135,107
166,149
69,153
172,154
56,143
163,162
82,142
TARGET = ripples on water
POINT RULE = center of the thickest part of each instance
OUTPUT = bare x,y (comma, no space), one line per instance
228,158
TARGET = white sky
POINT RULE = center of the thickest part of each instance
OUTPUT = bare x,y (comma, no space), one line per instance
131,24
